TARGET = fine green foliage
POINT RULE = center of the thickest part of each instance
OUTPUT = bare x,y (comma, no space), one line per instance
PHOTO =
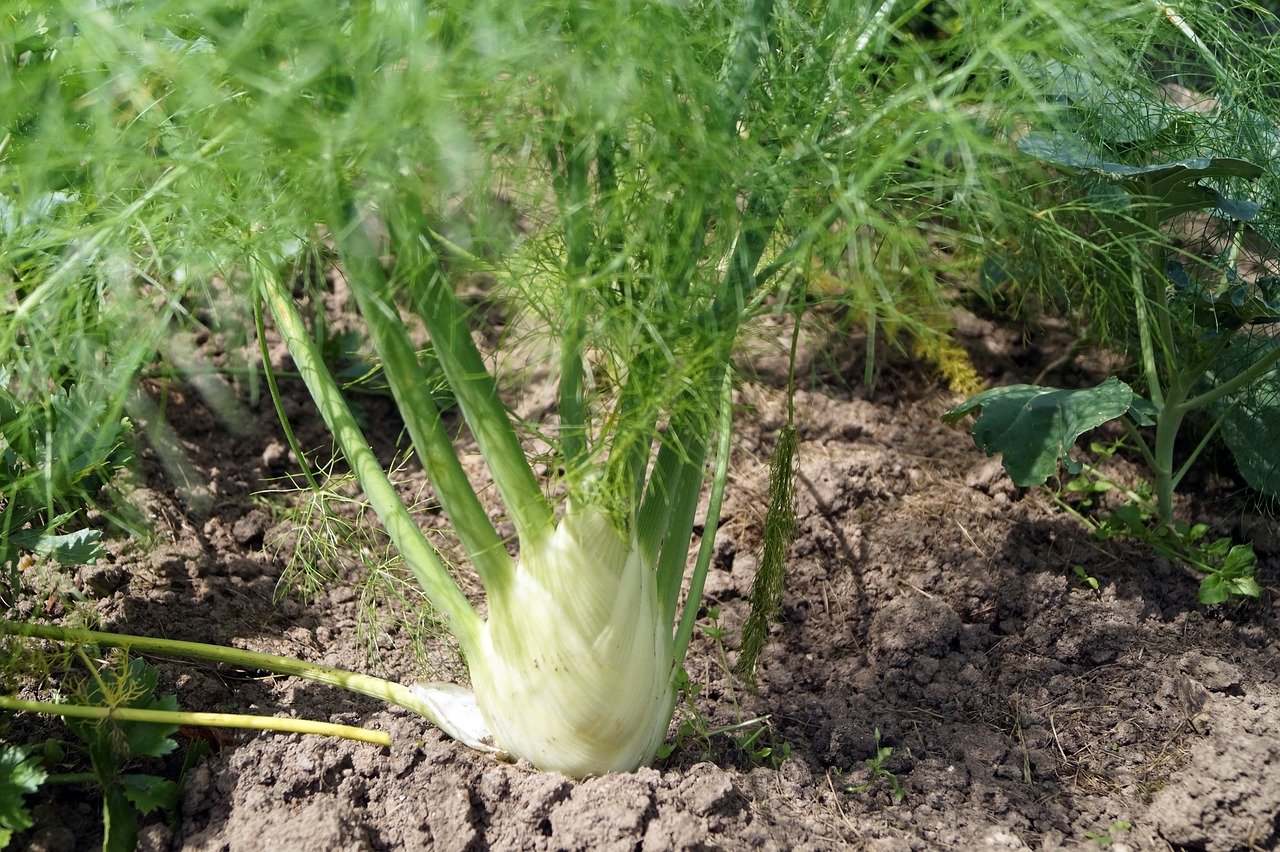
55,455
20,775
1251,417
779,531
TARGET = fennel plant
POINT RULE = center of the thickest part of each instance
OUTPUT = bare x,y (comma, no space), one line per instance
673,171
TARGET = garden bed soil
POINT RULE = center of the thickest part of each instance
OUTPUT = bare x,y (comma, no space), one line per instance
930,603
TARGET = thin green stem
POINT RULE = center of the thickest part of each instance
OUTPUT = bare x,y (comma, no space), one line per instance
273,388
374,687
1199,448
1180,24
1168,422
418,553
1131,429
1154,386
1256,371
697,583
413,399
72,778
204,720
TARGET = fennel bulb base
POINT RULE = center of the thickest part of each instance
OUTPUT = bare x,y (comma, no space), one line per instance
574,670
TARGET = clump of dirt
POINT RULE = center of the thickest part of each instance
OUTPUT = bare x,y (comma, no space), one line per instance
932,609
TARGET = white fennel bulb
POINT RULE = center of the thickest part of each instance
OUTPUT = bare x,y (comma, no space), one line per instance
574,665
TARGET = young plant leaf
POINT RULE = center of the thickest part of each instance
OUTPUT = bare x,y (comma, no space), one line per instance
114,742
119,820
1234,577
1035,427
149,792
20,775
74,548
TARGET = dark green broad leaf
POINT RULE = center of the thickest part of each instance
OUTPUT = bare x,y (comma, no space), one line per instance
20,775
74,548
1175,186
1034,428
148,793
1232,305
1251,417
1131,116
1070,151
119,820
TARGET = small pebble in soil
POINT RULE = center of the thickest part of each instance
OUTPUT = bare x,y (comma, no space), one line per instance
275,456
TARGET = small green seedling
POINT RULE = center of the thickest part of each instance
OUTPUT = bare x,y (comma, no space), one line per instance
761,747
1106,838
1085,577
878,771
1226,568
55,454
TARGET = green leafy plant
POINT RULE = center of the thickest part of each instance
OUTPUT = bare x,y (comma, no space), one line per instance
119,721
21,774
1107,838
1204,335
113,744
880,773
1226,568
54,456
1085,577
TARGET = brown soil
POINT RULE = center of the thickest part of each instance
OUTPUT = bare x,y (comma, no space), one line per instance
929,601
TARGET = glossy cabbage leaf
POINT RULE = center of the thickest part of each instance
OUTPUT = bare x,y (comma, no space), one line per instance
1251,417
1034,428
1175,187
1131,116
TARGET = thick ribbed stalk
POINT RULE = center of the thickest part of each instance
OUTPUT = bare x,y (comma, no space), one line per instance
472,384
724,446
573,189
431,440
418,553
